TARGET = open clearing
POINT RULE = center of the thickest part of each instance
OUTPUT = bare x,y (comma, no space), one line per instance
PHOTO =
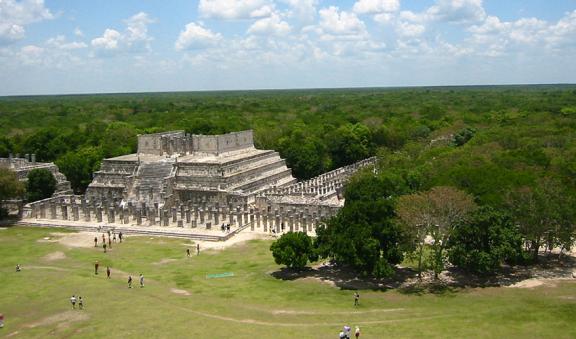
178,300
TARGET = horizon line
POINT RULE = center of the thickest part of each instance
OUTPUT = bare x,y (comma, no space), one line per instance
284,89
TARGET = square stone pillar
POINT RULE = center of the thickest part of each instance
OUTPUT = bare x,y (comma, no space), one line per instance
166,219
187,214
64,210
99,214
151,218
75,213
43,211
138,216
208,225
111,216
265,222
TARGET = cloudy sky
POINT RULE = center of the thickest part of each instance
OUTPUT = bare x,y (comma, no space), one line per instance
52,47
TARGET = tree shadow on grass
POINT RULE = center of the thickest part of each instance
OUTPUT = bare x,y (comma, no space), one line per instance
452,280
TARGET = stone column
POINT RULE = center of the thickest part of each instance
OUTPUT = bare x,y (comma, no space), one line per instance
127,216
174,215
42,211
201,213
75,213
99,214
166,219
216,216
111,216
291,223
187,214
151,217
138,216
64,210
265,222
277,224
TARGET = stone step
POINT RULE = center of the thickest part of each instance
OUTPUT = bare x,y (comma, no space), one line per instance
140,231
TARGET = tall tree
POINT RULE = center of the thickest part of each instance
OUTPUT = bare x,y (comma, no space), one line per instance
79,166
10,187
416,213
450,207
364,234
41,184
543,213
485,241
293,249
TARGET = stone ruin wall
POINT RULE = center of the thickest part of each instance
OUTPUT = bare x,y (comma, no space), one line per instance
179,142
23,166
297,209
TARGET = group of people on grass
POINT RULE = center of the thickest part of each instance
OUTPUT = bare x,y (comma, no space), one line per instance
79,300
111,239
345,333
197,250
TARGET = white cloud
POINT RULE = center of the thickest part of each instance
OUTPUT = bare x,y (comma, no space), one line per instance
134,39
376,6
341,23
195,36
457,11
234,9
272,25
563,32
15,15
109,41
59,42
31,55
303,10
410,30
78,32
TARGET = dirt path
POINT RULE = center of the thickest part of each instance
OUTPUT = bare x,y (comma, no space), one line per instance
62,319
54,256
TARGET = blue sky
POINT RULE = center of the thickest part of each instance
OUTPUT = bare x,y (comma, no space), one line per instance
56,47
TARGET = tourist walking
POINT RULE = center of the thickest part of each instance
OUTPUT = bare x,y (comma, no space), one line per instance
188,252
1,320
73,301
357,332
141,280
104,247
129,281
96,265
18,268
356,298
80,303
114,237
120,236
347,331
197,249
95,241
108,272
109,243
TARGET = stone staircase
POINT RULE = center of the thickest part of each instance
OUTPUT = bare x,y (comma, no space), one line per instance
150,177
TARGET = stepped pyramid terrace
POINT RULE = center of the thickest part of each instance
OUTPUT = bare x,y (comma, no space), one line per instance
190,185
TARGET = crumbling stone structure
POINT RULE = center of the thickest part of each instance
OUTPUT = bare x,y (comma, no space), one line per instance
200,182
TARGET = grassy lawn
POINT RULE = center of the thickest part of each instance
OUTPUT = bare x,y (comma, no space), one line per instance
251,304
